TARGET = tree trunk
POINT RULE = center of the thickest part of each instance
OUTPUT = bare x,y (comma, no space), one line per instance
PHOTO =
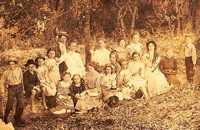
87,32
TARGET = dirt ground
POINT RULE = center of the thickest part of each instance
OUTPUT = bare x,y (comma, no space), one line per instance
177,110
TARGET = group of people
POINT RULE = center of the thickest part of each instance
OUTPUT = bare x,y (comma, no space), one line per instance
126,72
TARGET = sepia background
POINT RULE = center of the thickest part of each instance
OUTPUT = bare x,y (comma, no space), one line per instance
29,27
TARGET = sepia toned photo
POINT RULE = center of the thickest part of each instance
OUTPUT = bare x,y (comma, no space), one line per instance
99,64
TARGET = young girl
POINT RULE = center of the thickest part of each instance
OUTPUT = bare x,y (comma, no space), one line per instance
123,78
77,88
64,100
137,81
157,83
53,67
48,88
108,82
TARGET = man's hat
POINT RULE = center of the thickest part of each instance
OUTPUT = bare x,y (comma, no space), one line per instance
29,62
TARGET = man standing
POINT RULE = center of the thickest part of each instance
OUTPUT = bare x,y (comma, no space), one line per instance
13,81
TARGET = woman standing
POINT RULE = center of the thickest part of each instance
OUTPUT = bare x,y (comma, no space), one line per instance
156,82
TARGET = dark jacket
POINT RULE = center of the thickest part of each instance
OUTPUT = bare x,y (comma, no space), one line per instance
30,80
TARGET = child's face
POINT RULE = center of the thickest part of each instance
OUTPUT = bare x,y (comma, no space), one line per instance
77,79
124,64
108,70
113,58
67,77
136,57
51,54
31,67
40,62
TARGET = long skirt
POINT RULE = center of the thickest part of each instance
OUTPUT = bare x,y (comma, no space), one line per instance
189,68
156,82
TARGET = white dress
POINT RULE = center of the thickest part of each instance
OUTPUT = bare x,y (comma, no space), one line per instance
122,83
74,63
101,56
137,80
156,82
48,87
53,70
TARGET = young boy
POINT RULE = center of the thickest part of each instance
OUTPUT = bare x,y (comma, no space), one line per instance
30,78
31,81
190,59
13,80
168,66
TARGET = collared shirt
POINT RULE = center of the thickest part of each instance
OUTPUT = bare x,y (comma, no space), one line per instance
190,51
13,77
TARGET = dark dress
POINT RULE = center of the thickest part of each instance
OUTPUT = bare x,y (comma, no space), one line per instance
169,68
30,80
76,90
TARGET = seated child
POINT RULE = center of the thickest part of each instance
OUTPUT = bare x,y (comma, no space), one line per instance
64,101
77,88
137,81
63,92
47,87
168,66
123,78
108,84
